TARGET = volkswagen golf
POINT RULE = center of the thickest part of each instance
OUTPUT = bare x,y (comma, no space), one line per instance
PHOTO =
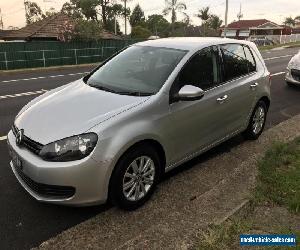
144,111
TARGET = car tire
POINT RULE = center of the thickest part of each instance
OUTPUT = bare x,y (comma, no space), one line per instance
257,121
125,173
290,84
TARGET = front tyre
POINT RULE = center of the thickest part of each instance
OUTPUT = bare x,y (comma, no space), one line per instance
257,121
135,177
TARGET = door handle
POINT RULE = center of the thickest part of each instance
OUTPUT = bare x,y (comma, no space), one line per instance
222,99
254,85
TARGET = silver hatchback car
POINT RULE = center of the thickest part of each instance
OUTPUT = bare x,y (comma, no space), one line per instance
144,111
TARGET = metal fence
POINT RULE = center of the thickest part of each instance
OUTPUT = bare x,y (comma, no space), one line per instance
18,55
264,40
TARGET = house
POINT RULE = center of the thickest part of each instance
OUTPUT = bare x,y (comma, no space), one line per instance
244,29
51,28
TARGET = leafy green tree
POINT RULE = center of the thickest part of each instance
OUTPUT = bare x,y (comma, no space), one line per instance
50,12
173,7
86,30
204,15
87,8
33,12
158,25
139,32
214,22
71,10
137,17
113,12
289,21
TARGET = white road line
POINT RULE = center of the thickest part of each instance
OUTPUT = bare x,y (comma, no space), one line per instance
277,74
2,138
23,94
276,57
42,77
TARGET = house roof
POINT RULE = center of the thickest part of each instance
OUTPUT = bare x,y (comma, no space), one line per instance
4,33
246,24
48,28
45,28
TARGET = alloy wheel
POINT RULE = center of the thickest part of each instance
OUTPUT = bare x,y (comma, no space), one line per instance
138,178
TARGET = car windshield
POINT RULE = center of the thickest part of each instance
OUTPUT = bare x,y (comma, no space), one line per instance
138,70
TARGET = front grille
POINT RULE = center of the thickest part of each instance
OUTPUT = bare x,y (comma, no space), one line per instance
28,143
295,74
47,191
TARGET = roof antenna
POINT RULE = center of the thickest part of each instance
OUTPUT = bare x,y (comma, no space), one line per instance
240,14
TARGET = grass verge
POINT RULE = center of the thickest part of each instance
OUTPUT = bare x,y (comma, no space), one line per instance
274,208
279,176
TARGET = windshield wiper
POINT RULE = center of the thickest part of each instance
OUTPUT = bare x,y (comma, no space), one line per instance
102,88
134,93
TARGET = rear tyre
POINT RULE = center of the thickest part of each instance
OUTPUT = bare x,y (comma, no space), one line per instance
135,177
257,121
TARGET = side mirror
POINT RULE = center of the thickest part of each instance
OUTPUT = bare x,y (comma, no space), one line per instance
189,93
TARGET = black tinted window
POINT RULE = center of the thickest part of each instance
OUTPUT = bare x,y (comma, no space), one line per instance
250,59
235,62
201,71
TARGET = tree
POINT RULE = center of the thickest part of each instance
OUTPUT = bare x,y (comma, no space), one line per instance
204,15
139,32
71,10
158,25
289,21
86,30
112,12
137,17
33,12
214,22
297,18
173,6
87,8
50,12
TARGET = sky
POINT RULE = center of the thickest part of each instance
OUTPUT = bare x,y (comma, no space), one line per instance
274,10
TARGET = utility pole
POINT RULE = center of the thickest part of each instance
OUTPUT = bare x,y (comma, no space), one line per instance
115,25
25,6
1,20
125,5
240,14
226,19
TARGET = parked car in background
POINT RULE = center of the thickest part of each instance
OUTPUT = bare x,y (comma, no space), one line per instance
292,76
141,113
264,41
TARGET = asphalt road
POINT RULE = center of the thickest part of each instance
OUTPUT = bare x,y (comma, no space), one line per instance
25,223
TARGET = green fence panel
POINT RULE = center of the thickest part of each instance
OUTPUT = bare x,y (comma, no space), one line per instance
17,55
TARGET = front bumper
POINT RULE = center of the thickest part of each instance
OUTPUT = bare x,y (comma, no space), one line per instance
290,78
81,183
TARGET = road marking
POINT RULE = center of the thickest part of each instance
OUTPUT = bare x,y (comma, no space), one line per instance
277,57
23,94
277,74
43,77
3,138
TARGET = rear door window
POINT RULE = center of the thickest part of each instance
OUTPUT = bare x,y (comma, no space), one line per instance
235,62
250,59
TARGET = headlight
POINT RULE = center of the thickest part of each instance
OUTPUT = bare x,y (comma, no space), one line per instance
70,149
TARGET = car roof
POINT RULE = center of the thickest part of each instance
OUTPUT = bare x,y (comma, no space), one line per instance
189,43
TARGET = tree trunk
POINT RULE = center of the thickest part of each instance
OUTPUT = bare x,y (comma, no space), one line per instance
104,19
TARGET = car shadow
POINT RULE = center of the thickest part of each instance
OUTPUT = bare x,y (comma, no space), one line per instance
224,147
